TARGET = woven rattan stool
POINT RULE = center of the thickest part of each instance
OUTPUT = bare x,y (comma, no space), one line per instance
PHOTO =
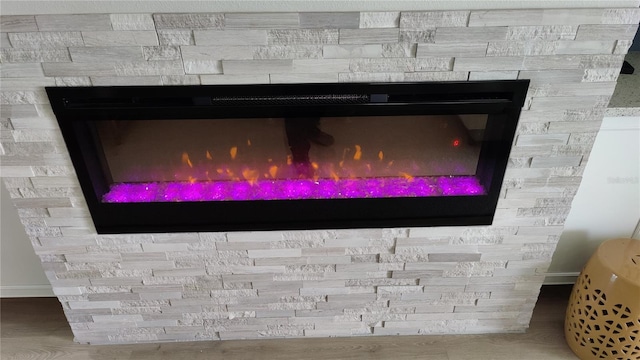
603,317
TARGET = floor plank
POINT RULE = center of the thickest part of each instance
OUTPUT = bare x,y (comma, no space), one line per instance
35,329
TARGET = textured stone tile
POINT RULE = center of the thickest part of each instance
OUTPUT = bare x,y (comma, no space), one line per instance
437,76
548,139
351,51
27,83
126,81
94,304
73,81
598,75
601,61
493,75
79,222
535,17
382,65
574,126
304,78
557,161
330,20
34,55
288,52
371,77
132,22
256,66
552,32
555,62
311,66
368,36
189,21
488,63
402,50
584,47
120,38
418,36
571,102
417,20
621,16
18,23
461,49
18,111
302,36
379,19
209,53
79,69
4,40
519,48
175,37
46,39
106,54
573,89
506,17
88,22
262,20
231,37
467,35
180,80
161,53
622,46
147,68
606,32
23,97
552,76
434,64
234,79
572,16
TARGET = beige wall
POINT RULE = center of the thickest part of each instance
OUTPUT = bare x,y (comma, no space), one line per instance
21,274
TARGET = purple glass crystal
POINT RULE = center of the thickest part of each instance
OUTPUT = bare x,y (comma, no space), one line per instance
293,189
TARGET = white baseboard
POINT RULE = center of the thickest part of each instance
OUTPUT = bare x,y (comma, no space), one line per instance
561,278
14,291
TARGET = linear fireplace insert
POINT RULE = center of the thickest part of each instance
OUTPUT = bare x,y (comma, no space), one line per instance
295,156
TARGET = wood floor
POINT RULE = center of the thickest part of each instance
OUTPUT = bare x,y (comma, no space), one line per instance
36,329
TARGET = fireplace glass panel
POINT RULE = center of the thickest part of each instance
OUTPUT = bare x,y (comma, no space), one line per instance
291,158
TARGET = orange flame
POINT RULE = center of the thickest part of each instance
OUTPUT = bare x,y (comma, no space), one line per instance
341,163
209,155
358,153
219,171
289,160
192,179
233,152
314,165
369,167
273,171
186,160
381,155
335,176
248,142
250,175
390,163
406,176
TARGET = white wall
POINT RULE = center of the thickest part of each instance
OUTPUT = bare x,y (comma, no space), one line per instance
607,204
21,274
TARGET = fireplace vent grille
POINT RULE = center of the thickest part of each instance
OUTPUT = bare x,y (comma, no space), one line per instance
292,99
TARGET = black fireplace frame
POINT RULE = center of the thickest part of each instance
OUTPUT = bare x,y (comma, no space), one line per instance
501,100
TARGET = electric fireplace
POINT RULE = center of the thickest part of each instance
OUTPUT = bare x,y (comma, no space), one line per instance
295,156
